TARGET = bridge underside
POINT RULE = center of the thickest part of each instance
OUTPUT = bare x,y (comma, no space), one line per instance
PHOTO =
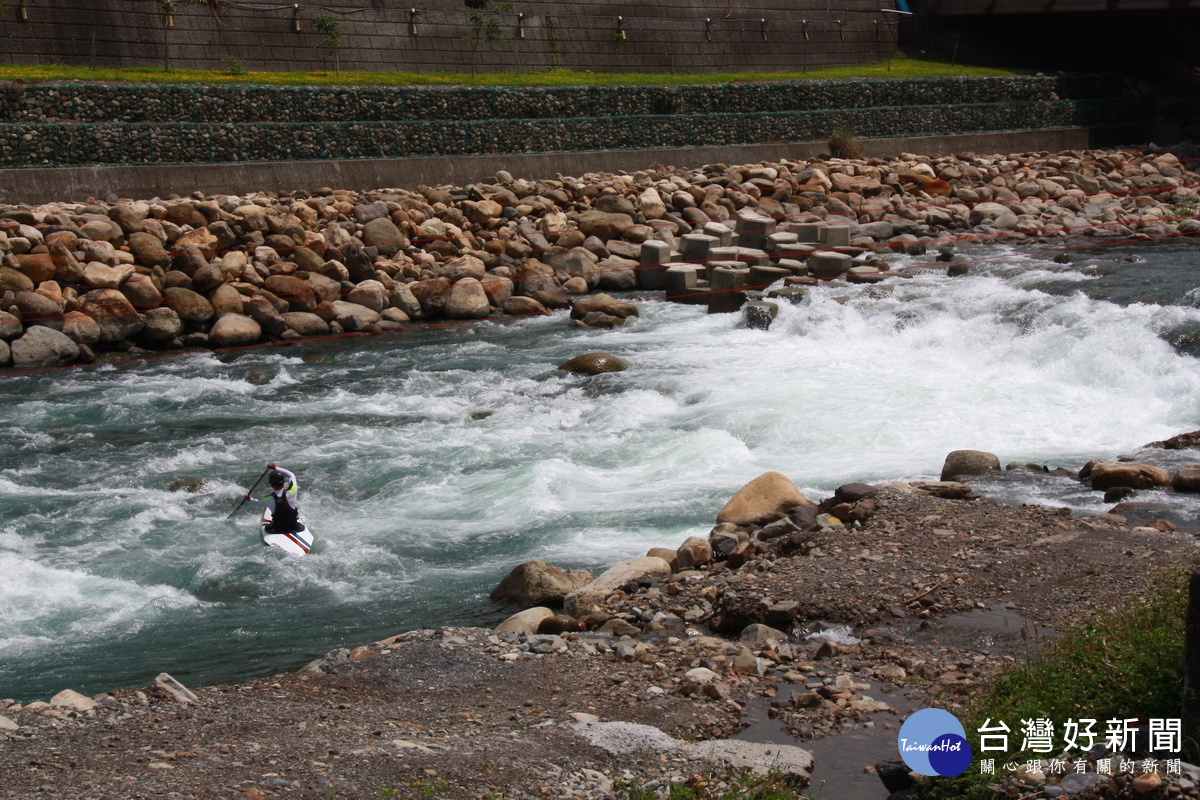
1157,39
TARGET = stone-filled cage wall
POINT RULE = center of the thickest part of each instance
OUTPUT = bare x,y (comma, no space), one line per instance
684,36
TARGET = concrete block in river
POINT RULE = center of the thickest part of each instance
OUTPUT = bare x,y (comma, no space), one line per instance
793,294
753,229
761,277
793,266
712,266
683,284
749,256
807,231
835,235
760,314
696,247
653,259
781,241
720,230
794,251
726,284
824,264
726,276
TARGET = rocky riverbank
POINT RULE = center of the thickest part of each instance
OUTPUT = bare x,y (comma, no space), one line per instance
79,280
664,660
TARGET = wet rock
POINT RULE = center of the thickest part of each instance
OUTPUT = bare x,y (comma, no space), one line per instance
763,500
693,552
42,347
526,622
1186,478
536,583
234,330
581,601
467,300
593,364
968,463
1108,474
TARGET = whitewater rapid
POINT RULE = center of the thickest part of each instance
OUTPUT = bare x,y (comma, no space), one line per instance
432,462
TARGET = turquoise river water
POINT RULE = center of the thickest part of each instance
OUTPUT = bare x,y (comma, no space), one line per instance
421,504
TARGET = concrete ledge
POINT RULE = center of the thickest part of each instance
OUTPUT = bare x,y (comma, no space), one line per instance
35,185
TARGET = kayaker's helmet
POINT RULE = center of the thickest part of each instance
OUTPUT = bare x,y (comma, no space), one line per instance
278,480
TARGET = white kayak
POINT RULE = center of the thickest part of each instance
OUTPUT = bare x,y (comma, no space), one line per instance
296,543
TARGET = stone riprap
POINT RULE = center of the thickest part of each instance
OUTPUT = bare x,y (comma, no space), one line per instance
229,271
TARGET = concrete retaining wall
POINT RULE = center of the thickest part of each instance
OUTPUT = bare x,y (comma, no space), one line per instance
33,186
442,36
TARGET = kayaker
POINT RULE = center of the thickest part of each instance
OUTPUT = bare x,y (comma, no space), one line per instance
285,512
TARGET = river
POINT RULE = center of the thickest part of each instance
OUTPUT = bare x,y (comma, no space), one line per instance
431,462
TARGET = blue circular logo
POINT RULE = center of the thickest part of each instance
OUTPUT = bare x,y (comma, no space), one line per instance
933,742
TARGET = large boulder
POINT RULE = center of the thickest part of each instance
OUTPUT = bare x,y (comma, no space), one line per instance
351,316
370,293
306,324
81,328
458,268
263,311
617,274
1110,474
114,314
162,324
227,300
527,622
536,583
38,267
695,551
296,291
576,262
384,235
148,250
141,291
234,330
98,275
12,280
1186,478
189,305
518,306
582,601
605,304
499,289
467,300
10,326
764,499
43,347
968,462
432,294
37,309
593,364
602,225
323,287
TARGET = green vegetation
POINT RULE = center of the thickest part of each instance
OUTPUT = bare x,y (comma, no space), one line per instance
485,23
774,785
331,37
900,67
1127,663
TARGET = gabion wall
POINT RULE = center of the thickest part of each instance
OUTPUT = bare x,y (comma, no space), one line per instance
79,102
163,143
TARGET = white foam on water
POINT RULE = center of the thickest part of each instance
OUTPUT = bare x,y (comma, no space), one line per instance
412,499
42,606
